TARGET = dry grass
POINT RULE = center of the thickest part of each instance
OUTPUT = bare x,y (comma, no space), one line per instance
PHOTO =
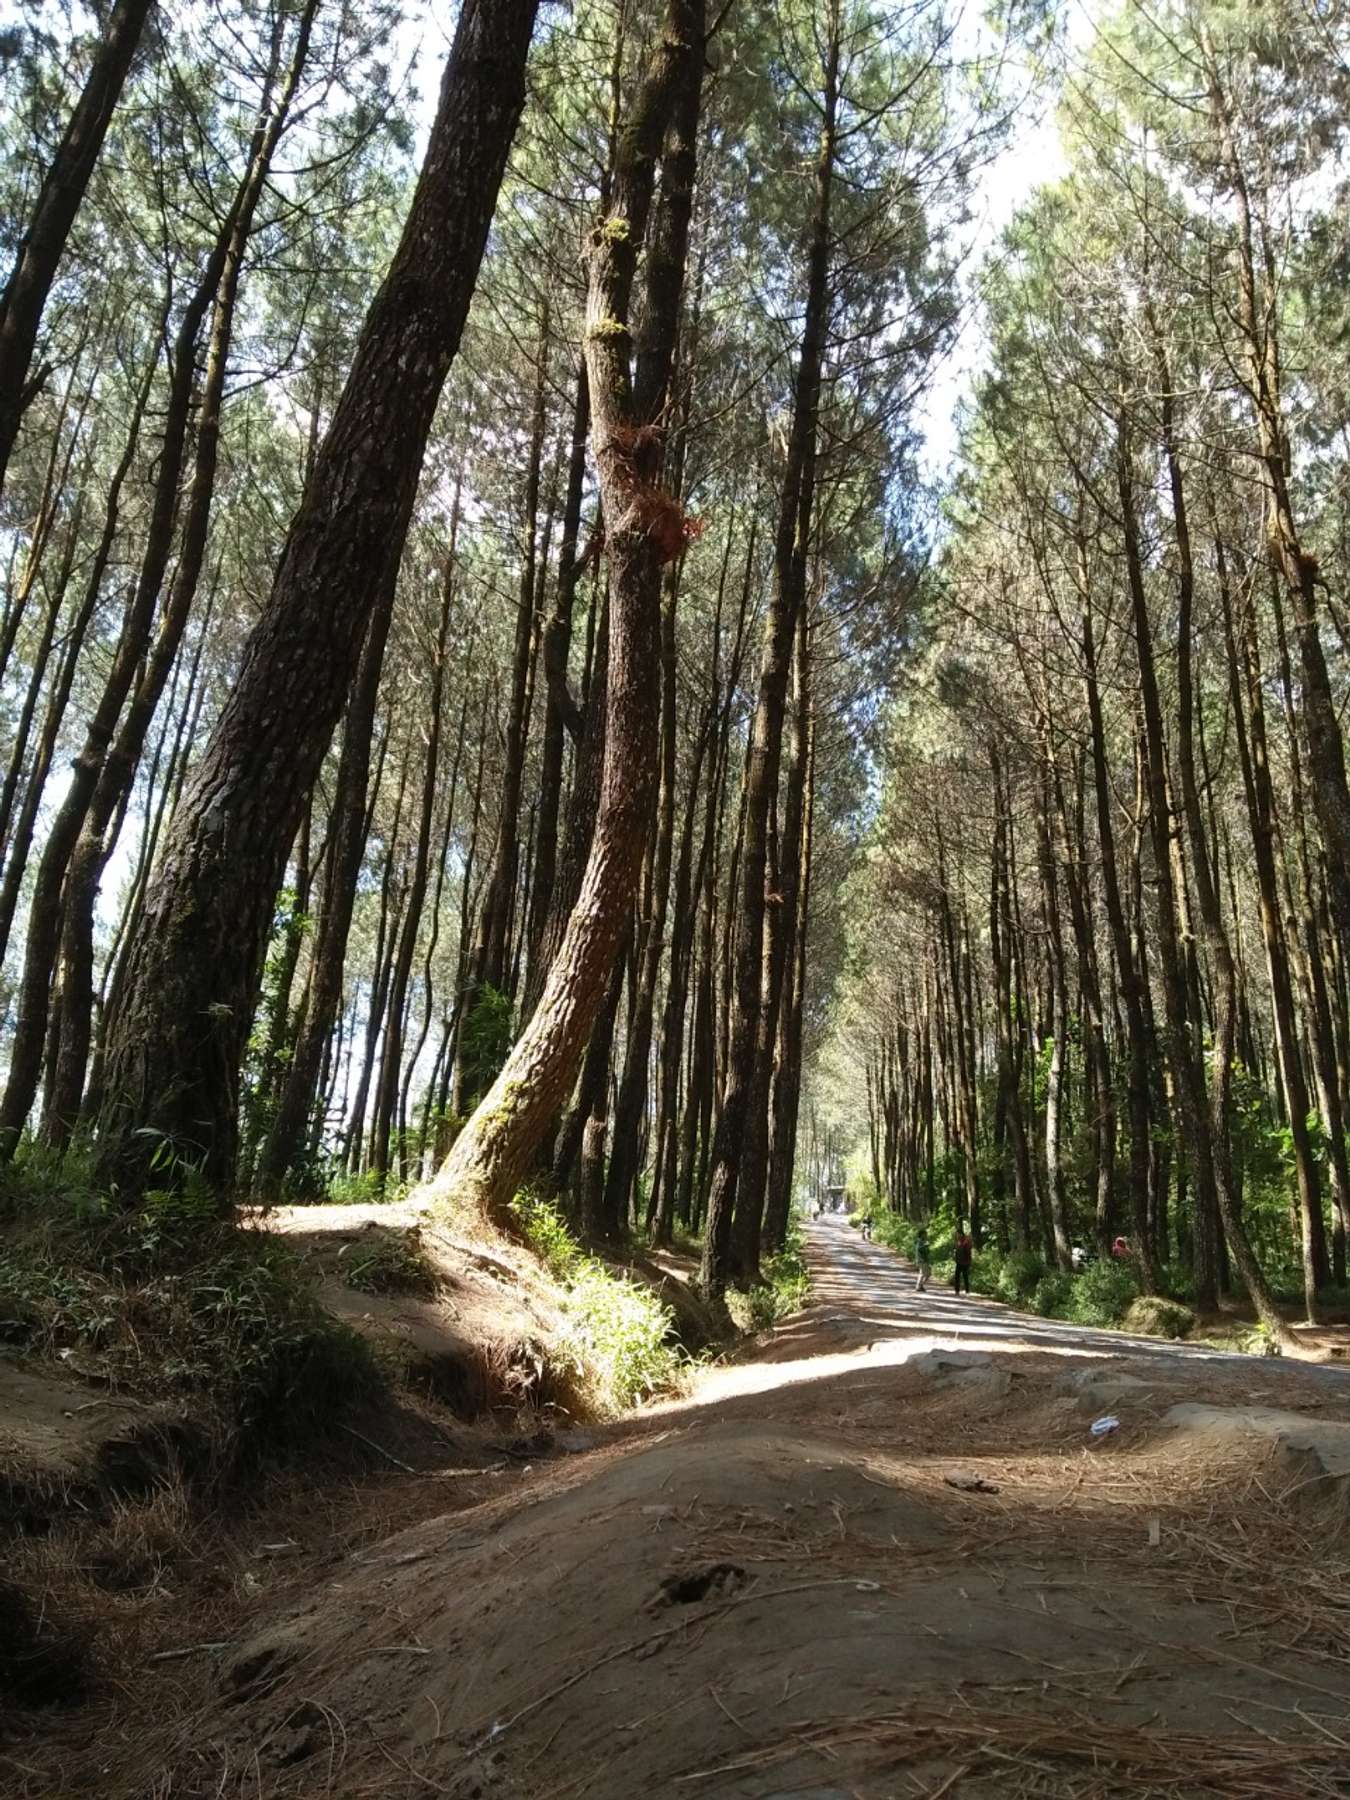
1073,1755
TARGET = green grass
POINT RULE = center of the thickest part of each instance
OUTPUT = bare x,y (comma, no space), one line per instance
168,1301
369,1188
617,1343
785,1289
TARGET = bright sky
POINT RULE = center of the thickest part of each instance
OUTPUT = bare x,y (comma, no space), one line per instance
1032,157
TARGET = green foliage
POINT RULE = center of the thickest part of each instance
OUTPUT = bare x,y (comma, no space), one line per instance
785,1289
391,1262
40,1182
368,1188
1020,1275
548,1234
487,1035
175,1215
1102,1293
894,1230
1052,1295
1261,1340
617,1343
617,1339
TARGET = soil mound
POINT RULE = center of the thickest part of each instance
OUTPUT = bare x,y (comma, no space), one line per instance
720,1608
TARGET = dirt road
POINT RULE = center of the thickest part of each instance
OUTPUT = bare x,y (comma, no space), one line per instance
876,1286
885,1558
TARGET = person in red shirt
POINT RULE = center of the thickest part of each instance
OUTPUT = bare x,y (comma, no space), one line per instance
965,1255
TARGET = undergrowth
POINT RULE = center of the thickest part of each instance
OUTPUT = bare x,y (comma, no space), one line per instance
391,1262
784,1289
369,1188
616,1342
167,1300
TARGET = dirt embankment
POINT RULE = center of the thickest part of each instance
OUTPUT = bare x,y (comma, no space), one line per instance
148,1497
874,1568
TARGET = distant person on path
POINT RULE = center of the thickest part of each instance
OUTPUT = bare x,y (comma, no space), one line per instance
867,1228
965,1253
923,1259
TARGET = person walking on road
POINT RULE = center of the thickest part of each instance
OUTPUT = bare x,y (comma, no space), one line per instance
965,1255
923,1259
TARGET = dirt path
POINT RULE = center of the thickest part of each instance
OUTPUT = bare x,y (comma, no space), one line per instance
885,1558
872,1279
872,1283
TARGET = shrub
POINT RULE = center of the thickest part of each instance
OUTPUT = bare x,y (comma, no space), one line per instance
1052,1294
986,1272
1020,1276
369,1188
1101,1295
617,1337
784,1290
1151,1316
548,1234
894,1230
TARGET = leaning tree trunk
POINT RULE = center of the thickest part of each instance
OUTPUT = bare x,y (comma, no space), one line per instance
58,201
176,1044
644,530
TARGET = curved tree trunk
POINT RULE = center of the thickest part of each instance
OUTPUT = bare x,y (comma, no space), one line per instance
644,530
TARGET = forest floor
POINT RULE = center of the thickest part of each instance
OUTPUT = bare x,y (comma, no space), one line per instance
883,1555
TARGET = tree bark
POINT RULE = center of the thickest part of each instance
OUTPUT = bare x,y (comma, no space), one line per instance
96,842
644,529
742,1125
417,889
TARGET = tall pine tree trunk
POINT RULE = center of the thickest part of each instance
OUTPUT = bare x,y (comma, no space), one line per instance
742,1126
644,529
176,1044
